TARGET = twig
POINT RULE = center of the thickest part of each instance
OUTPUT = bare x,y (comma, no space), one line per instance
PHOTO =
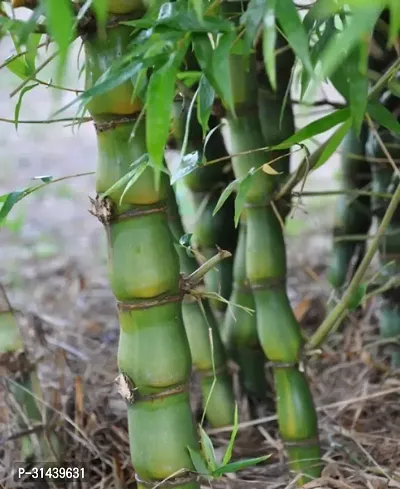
330,321
195,277
47,121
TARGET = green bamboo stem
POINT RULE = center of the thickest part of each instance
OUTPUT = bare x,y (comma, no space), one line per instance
353,215
207,353
240,332
384,179
24,387
278,330
205,184
153,355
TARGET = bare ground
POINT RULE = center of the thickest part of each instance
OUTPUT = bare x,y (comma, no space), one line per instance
53,266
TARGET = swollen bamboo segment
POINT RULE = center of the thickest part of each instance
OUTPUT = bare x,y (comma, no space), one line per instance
153,356
199,319
240,330
277,326
353,214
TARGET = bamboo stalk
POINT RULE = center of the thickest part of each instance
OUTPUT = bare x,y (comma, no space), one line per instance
206,184
353,214
153,355
384,179
207,356
277,326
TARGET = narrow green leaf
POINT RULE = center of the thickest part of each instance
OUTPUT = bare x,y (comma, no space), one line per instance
18,67
18,105
208,450
198,8
394,29
252,18
314,128
221,69
360,25
240,200
32,44
138,172
198,462
190,162
44,178
356,65
60,22
159,99
240,465
332,144
288,17
225,195
205,102
228,453
383,116
269,42
9,200
357,298
100,9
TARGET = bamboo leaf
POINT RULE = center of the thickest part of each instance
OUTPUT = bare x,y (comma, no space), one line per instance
198,8
60,23
198,462
240,200
18,105
205,102
240,465
269,42
228,453
360,25
252,19
314,128
159,99
9,200
332,144
32,44
357,298
221,69
135,177
267,168
357,64
225,195
190,162
208,450
288,17
383,116
18,67
394,27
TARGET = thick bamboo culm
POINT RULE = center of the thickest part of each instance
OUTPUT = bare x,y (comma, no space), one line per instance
153,356
240,332
385,180
205,185
353,213
218,397
277,326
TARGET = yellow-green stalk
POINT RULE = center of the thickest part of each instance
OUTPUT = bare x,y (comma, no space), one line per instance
278,329
204,339
153,355
206,183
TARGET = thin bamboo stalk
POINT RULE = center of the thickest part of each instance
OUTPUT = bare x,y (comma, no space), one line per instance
206,184
384,179
277,326
153,355
208,353
353,215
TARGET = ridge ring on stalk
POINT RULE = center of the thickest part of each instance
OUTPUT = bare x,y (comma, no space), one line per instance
116,120
269,283
278,364
169,482
129,391
160,300
302,443
210,372
104,210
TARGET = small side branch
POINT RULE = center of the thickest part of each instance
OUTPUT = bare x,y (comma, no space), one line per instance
195,278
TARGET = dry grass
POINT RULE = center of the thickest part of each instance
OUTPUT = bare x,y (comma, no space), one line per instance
74,332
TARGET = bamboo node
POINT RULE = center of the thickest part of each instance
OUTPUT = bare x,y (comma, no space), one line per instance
104,209
309,442
222,369
127,389
268,283
160,300
109,124
176,481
